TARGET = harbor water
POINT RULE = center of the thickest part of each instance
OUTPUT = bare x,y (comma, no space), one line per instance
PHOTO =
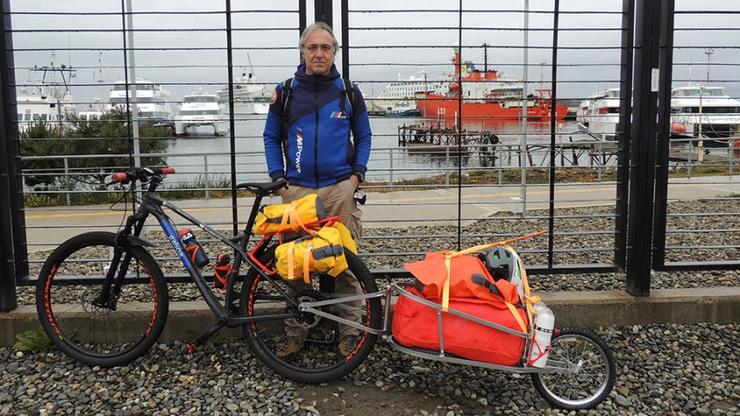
203,156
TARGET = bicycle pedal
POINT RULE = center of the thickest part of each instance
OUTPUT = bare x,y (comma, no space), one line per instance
191,347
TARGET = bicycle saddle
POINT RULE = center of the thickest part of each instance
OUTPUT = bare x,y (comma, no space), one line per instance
264,188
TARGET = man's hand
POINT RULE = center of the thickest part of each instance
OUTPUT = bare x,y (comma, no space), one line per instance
355,180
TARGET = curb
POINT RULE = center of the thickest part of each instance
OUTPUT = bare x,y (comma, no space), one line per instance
187,320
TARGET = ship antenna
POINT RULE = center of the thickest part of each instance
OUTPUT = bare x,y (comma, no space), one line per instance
100,67
485,58
251,68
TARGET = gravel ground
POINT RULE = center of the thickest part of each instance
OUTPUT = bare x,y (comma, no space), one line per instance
662,369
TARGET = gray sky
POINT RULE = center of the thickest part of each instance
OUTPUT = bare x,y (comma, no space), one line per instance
378,47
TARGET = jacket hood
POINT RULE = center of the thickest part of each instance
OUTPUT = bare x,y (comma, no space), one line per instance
301,76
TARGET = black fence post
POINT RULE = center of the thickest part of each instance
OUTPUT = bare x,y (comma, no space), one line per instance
323,12
664,131
553,117
623,134
345,39
232,127
15,178
302,11
8,152
642,158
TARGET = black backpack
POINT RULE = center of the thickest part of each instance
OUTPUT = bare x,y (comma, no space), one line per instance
348,94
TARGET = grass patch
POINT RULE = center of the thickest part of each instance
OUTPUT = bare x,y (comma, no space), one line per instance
33,340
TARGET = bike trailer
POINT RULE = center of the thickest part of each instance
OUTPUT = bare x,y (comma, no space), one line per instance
481,318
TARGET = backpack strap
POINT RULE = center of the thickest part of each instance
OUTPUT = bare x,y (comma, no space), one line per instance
285,96
348,94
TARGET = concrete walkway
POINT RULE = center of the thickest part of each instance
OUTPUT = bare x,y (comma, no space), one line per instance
47,227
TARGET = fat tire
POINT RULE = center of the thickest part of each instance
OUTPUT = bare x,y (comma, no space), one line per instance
360,270
611,378
65,344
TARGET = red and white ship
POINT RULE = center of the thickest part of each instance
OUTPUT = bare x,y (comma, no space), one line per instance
486,96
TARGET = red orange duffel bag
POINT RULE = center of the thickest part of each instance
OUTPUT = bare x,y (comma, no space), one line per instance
415,325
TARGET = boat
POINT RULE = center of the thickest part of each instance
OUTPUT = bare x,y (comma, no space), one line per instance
151,101
402,109
49,101
250,97
200,109
487,95
696,111
399,96
704,111
598,115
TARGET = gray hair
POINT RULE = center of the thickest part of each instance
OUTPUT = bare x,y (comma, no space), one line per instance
312,28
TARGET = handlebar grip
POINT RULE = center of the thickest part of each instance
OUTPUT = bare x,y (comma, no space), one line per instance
119,177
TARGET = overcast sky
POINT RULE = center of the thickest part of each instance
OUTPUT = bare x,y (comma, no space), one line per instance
379,56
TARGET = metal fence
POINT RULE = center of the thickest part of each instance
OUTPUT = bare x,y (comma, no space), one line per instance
614,190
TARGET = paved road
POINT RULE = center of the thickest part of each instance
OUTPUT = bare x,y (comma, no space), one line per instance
50,226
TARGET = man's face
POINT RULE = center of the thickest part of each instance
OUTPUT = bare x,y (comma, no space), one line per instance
318,51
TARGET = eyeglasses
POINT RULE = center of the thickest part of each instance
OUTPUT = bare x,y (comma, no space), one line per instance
313,49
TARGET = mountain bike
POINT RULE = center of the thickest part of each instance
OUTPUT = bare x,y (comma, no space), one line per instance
102,298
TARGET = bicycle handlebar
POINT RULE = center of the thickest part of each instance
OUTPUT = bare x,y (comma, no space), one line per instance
140,174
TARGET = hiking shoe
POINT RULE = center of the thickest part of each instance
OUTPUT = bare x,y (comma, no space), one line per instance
347,344
291,345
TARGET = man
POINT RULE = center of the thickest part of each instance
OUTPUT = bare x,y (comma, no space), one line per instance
307,141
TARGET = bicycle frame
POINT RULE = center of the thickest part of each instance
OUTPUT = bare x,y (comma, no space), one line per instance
151,204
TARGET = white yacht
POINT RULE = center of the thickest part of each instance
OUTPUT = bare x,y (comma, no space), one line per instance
151,100
200,109
706,111
48,101
399,96
36,105
250,97
599,114
696,110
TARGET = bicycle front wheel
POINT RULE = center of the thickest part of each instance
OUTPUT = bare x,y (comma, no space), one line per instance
92,319
325,350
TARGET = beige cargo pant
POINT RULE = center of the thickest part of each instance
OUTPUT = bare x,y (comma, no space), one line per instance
338,199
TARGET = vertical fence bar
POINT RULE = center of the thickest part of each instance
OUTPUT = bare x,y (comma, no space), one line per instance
553,116
642,158
623,130
390,153
323,12
345,39
15,176
206,182
301,16
8,275
458,119
67,182
232,134
664,124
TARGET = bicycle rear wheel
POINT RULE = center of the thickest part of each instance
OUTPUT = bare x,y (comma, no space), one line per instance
93,325
589,375
320,359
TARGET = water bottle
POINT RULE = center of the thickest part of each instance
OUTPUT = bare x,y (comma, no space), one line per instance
544,322
195,251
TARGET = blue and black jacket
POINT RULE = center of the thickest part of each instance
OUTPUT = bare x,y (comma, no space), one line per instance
316,150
